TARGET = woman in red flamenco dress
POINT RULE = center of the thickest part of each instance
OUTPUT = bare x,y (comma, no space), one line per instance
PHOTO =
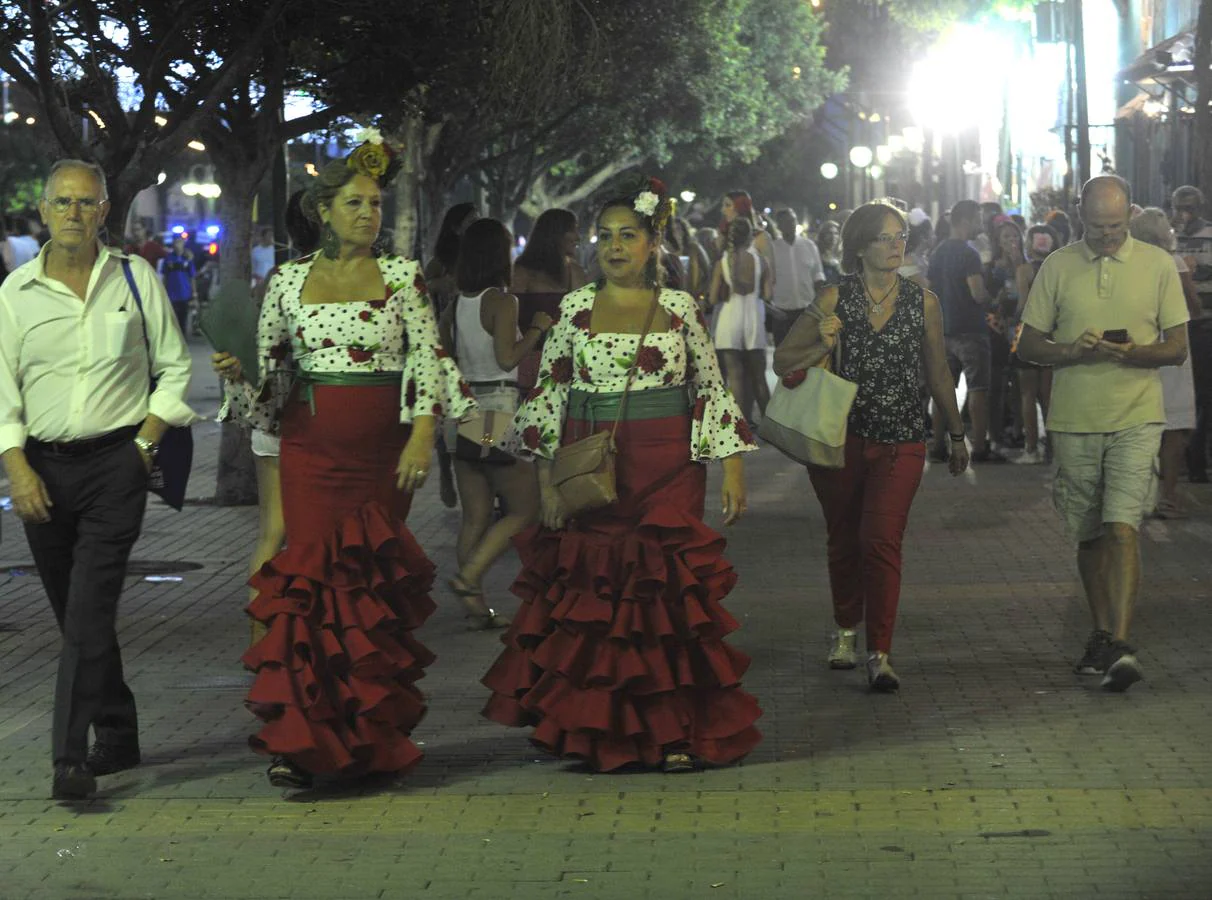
354,380
617,655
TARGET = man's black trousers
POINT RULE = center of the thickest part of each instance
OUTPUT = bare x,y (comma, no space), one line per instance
81,555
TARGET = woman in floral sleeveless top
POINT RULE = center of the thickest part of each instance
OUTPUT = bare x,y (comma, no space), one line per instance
893,334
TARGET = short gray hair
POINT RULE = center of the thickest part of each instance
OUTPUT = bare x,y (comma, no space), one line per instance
62,164
1152,226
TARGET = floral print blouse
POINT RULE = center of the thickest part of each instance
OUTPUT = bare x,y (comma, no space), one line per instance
576,358
395,334
886,364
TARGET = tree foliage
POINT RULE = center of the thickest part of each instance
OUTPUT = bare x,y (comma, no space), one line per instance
635,83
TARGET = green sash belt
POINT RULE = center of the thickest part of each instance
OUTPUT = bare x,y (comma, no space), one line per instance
308,380
655,403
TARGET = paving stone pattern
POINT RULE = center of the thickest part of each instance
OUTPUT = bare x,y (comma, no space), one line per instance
994,773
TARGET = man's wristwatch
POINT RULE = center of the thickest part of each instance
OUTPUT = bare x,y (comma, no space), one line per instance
146,446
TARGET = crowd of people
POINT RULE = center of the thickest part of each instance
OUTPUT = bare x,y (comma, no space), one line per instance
574,401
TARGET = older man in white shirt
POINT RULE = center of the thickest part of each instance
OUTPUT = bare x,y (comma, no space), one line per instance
79,430
801,274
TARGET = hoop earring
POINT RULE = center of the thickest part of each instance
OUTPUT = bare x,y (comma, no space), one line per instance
330,244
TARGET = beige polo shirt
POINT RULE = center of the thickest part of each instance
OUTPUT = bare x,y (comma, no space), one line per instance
1138,289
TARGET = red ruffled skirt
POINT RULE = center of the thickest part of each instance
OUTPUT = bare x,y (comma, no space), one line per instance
617,654
336,672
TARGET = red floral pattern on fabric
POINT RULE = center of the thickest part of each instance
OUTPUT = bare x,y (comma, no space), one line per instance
561,370
395,334
650,359
576,358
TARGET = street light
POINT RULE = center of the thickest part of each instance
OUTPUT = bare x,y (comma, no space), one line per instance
829,171
883,153
860,156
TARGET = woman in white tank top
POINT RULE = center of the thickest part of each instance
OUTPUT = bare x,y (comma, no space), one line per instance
480,329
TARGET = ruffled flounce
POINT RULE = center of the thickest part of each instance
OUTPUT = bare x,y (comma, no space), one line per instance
617,654
335,674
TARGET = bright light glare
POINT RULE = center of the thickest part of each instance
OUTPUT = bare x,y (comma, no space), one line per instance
178,229
196,145
688,196
11,116
876,171
861,156
212,230
957,68
161,178
30,120
829,171
884,154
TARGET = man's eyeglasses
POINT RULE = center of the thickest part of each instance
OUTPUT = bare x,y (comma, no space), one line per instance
899,238
62,205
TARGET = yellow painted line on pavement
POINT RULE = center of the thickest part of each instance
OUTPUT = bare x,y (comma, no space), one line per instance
750,812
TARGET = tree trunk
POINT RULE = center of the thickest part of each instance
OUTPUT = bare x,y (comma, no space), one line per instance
236,477
1203,111
406,227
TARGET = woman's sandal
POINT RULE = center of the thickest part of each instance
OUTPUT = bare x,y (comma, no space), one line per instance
679,762
489,619
283,773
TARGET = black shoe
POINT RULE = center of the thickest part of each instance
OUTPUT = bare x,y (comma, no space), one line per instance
283,773
106,759
987,456
1094,660
1123,670
72,781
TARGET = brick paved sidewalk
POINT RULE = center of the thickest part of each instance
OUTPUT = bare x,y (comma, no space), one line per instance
994,773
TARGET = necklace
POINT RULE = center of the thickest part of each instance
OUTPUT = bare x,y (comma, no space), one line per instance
877,306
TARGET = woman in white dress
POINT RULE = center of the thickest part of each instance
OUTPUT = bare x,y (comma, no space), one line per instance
740,289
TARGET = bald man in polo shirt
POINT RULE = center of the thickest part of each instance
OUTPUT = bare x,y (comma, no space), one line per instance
1106,313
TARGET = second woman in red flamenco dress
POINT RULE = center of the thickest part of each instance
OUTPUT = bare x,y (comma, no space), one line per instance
617,655
355,380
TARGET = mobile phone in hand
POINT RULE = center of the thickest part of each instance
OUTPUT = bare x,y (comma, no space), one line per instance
1116,336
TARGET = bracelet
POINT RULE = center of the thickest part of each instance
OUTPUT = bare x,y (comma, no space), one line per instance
146,446
958,438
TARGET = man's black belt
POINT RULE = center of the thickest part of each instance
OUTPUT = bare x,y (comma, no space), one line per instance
492,384
86,446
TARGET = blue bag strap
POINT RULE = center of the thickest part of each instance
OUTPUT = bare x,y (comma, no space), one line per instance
130,280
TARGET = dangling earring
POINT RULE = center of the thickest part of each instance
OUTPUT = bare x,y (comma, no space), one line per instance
330,244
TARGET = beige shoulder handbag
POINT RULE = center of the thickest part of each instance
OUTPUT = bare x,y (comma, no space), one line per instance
583,471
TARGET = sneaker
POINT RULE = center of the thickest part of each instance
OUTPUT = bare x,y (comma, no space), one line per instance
841,650
1123,670
1093,661
106,759
72,781
1030,458
880,676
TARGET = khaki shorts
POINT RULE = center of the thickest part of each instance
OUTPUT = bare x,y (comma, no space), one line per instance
1105,477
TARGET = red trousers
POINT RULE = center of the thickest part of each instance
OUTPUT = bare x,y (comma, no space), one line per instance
866,506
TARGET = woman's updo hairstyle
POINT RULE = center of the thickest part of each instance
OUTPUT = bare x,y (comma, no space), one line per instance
373,157
740,233
648,199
